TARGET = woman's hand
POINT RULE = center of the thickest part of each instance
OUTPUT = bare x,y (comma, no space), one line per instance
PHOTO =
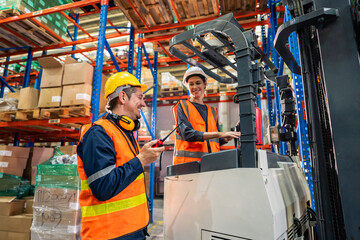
230,135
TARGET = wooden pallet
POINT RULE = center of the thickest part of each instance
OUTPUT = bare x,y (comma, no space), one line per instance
212,89
65,112
194,9
227,88
27,114
241,6
152,12
27,28
165,44
172,91
7,116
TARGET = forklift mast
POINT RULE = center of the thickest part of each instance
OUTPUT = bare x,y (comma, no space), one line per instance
229,37
330,70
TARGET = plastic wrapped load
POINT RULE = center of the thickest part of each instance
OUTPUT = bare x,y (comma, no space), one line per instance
11,185
8,104
56,214
56,209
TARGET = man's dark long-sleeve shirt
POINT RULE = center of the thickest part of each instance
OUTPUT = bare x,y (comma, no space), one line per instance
97,151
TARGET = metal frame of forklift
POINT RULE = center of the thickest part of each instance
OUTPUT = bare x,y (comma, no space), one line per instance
331,72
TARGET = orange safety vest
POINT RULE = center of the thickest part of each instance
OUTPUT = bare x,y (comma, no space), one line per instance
193,151
126,212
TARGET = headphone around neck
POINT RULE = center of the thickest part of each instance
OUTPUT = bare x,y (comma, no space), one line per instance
126,123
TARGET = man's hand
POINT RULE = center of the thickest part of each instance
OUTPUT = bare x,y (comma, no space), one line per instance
148,154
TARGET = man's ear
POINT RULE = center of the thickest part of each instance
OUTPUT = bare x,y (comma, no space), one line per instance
122,97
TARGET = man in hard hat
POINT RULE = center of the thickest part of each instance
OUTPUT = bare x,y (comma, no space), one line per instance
199,134
113,198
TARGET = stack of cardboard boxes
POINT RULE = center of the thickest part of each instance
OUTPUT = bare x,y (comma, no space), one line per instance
56,206
65,84
57,214
37,156
148,80
56,21
13,160
14,224
68,84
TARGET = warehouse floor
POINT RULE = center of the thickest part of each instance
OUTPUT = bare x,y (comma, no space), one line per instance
155,229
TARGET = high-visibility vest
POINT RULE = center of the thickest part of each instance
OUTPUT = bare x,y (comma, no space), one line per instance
125,213
185,151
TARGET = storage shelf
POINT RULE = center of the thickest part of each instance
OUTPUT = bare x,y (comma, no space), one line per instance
165,30
45,130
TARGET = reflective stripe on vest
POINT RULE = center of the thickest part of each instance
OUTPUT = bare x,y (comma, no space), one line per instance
178,137
189,154
106,208
100,174
85,184
193,151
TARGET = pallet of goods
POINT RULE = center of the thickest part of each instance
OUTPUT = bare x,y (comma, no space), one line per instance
56,209
39,31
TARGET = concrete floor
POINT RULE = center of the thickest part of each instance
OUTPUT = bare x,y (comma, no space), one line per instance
155,228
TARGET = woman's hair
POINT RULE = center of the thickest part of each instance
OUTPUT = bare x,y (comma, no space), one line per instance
198,75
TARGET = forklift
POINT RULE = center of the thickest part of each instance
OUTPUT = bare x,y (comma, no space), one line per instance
245,193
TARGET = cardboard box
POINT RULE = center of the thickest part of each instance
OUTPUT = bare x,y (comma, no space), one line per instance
10,206
56,209
29,202
29,98
79,94
102,102
18,223
33,174
40,235
14,235
50,97
52,74
13,166
69,150
15,95
15,152
78,72
40,155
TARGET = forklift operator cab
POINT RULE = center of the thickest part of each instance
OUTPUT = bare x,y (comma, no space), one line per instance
217,198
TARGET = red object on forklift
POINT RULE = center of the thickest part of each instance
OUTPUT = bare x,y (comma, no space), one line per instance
259,136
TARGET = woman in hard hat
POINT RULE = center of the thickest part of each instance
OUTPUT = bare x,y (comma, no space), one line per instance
199,134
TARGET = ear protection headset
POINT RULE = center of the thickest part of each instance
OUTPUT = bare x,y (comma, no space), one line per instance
126,123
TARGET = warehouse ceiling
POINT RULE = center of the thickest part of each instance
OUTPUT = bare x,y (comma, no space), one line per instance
145,14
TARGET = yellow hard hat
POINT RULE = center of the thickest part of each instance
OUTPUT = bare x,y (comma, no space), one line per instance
121,79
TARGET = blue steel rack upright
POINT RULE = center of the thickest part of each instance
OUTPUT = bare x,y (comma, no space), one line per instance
302,130
152,130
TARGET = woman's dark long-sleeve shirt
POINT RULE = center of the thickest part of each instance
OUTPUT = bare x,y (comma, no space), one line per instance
186,131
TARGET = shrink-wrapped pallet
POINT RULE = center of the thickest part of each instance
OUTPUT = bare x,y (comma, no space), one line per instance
56,209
